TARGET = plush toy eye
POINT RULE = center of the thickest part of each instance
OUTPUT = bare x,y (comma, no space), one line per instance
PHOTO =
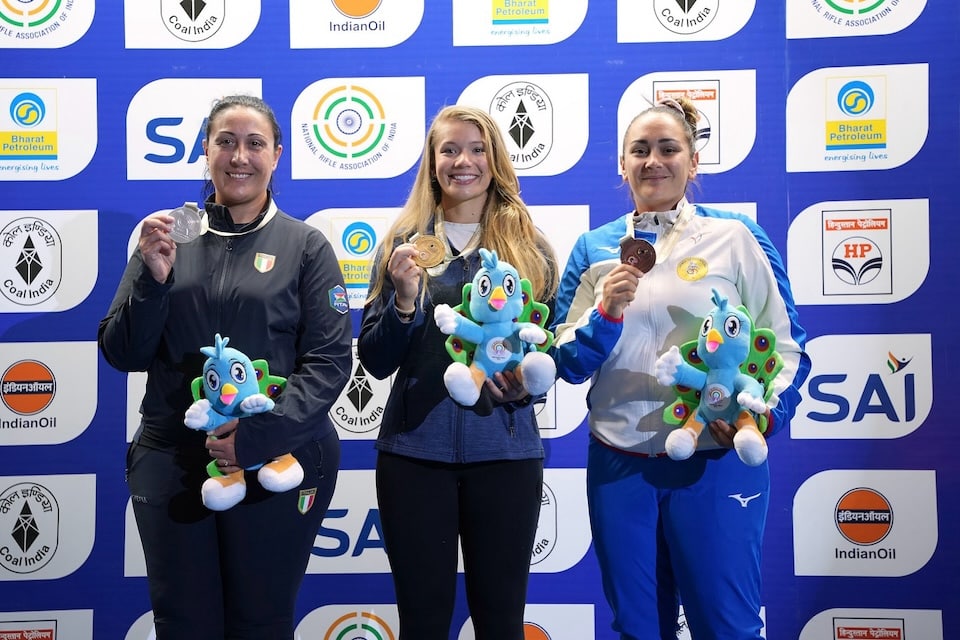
484,286
732,326
706,326
238,373
212,379
509,284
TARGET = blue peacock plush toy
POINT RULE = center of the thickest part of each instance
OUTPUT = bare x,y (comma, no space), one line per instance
234,386
723,374
497,327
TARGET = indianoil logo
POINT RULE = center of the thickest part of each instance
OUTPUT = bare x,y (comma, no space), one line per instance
533,631
27,387
356,8
864,516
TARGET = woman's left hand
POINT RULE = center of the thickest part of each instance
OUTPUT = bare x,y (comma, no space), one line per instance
505,386
722,433
221,446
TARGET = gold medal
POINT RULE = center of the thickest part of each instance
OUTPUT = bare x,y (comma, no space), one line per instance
430,251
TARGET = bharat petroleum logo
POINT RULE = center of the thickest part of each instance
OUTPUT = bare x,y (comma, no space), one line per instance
28,14
356,8
28,110
359,238
359,624
855,98
349,122
864,516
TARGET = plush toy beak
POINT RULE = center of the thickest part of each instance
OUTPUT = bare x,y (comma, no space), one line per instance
228,394
714,340
498,298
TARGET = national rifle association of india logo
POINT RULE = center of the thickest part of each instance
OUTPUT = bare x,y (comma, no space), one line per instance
349,128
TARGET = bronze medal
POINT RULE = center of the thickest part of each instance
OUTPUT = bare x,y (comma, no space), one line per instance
430,251
638,252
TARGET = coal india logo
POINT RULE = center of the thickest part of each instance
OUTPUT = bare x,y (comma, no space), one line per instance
685,17
29,527
192,20
523,112
30,261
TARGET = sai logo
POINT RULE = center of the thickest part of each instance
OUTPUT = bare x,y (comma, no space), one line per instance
28,387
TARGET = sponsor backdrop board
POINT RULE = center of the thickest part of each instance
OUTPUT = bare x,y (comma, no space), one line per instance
831,122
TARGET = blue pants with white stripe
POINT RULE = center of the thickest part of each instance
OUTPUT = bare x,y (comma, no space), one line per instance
667,530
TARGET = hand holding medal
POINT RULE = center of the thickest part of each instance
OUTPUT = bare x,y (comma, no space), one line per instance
430,251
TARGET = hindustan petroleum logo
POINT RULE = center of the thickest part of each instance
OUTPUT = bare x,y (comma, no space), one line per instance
857,260
855,13
29,527
356,8
349,123
685,17
192,20
864,517
30,261
33,15
546,539
524,114
359,239
359,624
28,387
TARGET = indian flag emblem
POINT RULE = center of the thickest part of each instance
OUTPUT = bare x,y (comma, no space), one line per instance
263,262
306,500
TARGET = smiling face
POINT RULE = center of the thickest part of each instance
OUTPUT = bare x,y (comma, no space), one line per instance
242,155
461,170
657,162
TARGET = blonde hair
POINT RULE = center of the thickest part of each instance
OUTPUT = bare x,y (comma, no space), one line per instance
505,225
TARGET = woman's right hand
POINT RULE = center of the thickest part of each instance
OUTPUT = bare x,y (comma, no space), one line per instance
619,289
405,275
158,250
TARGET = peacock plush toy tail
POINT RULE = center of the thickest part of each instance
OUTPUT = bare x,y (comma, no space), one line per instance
763,363
534,312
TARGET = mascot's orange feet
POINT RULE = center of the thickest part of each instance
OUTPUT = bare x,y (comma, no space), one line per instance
281,474
222,492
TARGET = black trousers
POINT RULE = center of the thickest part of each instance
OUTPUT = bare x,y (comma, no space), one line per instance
493,507
232,574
